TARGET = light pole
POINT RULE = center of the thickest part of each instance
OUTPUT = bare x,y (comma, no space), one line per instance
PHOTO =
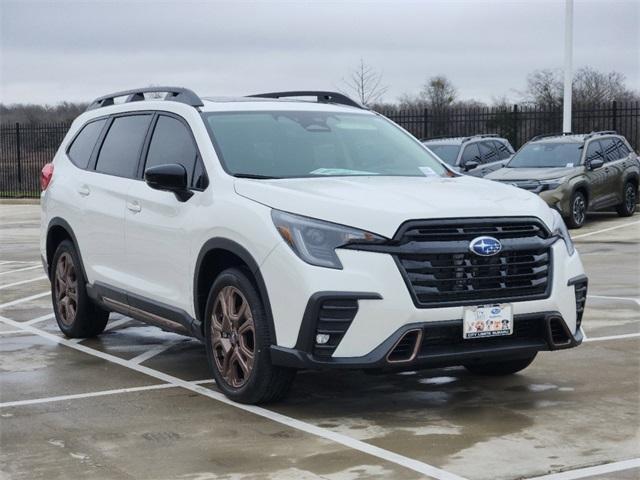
568,65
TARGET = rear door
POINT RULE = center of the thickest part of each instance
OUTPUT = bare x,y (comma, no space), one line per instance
101,198
615,167
159,259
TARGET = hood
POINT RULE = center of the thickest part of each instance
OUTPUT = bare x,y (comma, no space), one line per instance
532,173
382,204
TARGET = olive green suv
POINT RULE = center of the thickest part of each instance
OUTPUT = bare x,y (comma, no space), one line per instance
574,173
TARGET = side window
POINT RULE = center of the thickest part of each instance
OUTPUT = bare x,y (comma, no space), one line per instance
172,143
609,149
623,150
504,150
120,150
82,147
470,153
487,152
594,152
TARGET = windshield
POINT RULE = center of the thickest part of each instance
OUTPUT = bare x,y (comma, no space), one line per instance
545,155
308,144
447,153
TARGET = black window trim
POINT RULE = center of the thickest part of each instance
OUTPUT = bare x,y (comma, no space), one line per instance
142,161
586,151
464,147
96,151
95,145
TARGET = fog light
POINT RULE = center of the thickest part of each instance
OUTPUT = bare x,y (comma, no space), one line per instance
322,338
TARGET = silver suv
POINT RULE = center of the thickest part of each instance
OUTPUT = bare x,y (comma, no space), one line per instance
476,155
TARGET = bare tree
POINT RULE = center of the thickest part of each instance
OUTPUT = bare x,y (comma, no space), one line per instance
439,92
365,83
544,87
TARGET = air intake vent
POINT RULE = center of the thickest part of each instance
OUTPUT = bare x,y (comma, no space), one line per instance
581,300
334,318
558,331
406,348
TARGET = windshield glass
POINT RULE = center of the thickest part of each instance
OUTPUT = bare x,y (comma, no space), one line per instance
545,155
447,153
307,144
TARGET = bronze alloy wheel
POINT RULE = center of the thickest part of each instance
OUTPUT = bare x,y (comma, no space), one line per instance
233,336
66,289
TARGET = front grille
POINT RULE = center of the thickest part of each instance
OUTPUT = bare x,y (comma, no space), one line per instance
440,270
334,318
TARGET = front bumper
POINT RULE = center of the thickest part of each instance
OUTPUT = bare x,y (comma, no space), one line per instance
385,311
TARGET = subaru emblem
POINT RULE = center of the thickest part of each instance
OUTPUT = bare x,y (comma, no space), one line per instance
485,246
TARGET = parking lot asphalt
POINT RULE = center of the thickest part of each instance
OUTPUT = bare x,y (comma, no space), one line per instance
138,402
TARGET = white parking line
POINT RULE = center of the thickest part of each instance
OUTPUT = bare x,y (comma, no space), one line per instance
592,471
22,282
624,299
100,393
612,337
381,453
39,319
157,350
604,230
21,269
13,332
24,299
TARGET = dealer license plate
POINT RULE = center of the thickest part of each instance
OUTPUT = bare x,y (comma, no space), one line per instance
487,321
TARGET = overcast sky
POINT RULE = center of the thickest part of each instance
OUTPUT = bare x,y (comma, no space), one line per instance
70,50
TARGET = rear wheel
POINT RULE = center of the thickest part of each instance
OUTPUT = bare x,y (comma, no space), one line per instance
238,342
577,210
76,314
629,199
504,367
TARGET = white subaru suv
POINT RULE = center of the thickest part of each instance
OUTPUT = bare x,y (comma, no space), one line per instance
295,234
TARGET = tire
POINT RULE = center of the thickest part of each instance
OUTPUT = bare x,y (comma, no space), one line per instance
499,368
629,200
238,342
577,210
76,314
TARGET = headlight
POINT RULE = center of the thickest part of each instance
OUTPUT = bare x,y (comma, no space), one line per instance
315,241
560,230
552,183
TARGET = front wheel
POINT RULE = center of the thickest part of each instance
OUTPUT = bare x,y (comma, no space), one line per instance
578,210
504,367
238,342
629,199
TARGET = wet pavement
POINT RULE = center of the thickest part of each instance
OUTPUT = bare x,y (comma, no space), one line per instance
137,402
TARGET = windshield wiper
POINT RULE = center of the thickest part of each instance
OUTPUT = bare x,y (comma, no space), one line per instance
255,175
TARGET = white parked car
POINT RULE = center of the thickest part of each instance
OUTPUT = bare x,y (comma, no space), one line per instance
289,234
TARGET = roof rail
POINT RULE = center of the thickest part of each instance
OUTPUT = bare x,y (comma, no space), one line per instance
321,97
481,135
546,135
601,132
175,94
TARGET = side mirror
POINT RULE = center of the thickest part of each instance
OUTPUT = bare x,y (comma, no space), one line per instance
470,165
596,163
169,178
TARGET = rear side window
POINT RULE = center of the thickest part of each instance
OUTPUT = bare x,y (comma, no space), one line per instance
82,147
487,152
172,143
609,149
623,150
120,150
504,150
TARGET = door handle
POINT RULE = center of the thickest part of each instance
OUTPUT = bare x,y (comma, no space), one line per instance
134,207
84,190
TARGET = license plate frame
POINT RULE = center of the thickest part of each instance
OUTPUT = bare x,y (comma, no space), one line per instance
487,321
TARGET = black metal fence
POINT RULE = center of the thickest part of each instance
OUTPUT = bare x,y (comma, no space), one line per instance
25,148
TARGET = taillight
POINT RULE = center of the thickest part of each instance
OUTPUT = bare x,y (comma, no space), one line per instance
46,175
